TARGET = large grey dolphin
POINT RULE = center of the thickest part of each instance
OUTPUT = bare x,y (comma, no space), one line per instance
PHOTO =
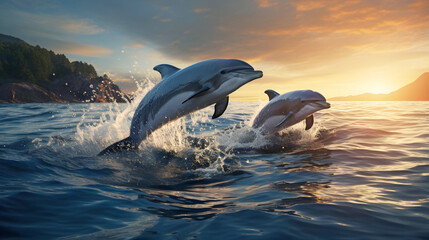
285,110
183,91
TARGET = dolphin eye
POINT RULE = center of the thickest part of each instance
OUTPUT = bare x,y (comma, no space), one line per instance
223,72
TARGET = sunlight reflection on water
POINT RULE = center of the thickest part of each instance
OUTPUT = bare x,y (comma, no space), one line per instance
362,169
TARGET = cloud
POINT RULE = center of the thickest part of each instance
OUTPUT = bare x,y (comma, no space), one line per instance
53,32
200,10
134,45
126,81
81,49
307,39
289,32
79,27
266,3
50,23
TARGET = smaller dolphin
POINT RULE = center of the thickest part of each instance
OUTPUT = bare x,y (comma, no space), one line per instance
183,91
283,111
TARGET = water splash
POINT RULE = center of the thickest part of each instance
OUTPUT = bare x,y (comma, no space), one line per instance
113,125
175,147
191,147
243,138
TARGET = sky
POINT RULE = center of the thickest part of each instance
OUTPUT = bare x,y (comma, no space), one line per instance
337,48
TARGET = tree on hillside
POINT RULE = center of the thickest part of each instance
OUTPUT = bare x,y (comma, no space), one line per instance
21,62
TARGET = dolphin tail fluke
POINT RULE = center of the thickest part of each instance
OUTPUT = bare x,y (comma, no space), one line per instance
124,145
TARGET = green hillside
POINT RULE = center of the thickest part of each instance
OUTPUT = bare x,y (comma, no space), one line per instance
22,62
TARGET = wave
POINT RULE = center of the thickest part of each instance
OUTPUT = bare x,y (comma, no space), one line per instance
190,148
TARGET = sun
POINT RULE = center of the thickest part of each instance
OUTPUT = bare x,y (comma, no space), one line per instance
379,87
379,82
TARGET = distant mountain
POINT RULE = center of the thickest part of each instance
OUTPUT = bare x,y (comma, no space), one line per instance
415,91
34,74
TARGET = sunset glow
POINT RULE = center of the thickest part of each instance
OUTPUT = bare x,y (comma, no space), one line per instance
336,47
379,82
214,119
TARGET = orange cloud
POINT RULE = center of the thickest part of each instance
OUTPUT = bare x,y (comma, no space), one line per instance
134,45
84,50
309,5
61,23
80,27
317,43
200,10
266,3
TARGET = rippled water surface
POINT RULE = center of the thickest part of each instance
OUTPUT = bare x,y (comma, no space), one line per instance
362,172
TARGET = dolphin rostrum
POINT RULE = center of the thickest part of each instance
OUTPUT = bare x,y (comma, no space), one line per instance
285,110
183,91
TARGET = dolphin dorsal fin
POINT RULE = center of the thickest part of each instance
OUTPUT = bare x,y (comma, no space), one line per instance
271,94
166,70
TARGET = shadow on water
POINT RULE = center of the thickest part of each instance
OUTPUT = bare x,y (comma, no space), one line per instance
205,197
304,190
308,160
197,199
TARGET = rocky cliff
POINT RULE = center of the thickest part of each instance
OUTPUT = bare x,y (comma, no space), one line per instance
74,88
26,93
82,88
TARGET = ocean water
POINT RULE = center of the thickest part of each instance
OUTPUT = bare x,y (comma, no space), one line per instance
362,172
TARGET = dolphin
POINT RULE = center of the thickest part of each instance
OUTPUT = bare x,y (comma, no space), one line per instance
283,111
183,91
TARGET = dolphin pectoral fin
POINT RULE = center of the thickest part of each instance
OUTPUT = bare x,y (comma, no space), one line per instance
309,122
220,107
284,119
166,70
205,88
124,145
271,93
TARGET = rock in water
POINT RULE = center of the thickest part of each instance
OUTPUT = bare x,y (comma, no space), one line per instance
83,88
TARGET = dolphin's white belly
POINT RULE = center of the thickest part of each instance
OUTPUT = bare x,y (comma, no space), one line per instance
270,124
175,108
171,110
